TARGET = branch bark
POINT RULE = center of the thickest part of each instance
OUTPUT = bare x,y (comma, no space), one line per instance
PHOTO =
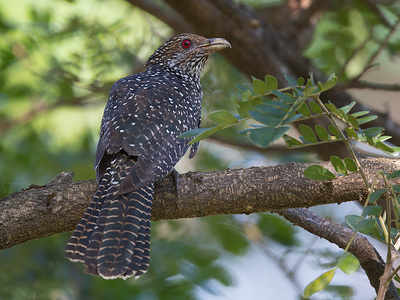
40,211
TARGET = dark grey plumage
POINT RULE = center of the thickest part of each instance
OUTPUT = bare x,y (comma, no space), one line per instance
139,144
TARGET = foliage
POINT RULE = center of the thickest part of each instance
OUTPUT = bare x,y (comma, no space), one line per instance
276,109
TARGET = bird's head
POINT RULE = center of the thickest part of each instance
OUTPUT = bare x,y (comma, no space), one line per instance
187,52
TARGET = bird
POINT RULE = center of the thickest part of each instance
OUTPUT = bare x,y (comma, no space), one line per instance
139,144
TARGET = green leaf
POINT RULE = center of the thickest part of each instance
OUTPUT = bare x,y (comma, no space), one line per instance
265,118
360,113
315,108
291,141
348,263
350,164
346,109
317,172
351,132
301,81
384,138
278,229
266,135
304,110
338,164
307,133
194,132
283,96
364,225
259,87
270,109
384,147
334,110
227,232
396,188
372,210
375,195
352,121
332,129
322,133
271,83
245,106
201,133
366,119
222,117
320,283
373,131
394,174
330,83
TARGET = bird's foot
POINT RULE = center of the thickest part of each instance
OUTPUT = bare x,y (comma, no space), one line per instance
175,177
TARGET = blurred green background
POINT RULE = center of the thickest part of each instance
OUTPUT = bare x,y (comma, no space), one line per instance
58,60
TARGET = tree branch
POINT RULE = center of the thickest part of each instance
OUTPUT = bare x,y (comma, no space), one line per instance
361,248
166,15
41,211
363,84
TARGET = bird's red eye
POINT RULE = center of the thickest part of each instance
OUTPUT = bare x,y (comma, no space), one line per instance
186,43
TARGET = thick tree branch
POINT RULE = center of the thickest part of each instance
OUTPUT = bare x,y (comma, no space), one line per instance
166,15
362,84
44,210
361,248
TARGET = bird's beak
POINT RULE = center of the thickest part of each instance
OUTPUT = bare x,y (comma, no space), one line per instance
215,44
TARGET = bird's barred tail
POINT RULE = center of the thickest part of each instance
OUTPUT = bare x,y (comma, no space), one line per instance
113,237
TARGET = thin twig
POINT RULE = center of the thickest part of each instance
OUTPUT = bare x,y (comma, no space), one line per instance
378,50
355,52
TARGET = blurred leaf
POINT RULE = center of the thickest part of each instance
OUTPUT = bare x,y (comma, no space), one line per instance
259,87
367,226
322,133
338,164
307,133
360,113
330,83
264,136
348,263
320,283
315,108
332,129
291,141
373,131
317,172
366,119
271,83
228,234
222,117
286,98
350,164
372,210
394,174
277,229
384,147
345,292
375,195
346,109
264,118
304,110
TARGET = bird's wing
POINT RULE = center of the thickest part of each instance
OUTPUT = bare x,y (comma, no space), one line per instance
142,122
